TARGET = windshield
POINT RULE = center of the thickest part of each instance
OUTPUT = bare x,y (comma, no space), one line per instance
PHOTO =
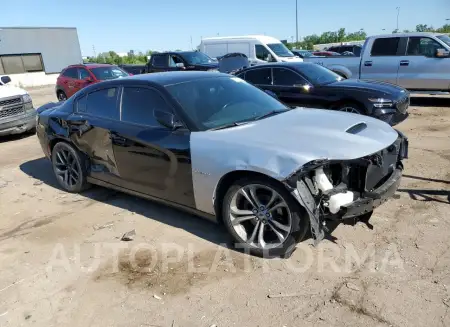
318,75
280,50
305,54
108,72
196,58
220,101
445,39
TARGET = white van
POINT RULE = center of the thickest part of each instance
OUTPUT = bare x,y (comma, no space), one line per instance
258,48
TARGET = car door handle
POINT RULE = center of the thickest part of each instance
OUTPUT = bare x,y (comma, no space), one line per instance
404,63
368,63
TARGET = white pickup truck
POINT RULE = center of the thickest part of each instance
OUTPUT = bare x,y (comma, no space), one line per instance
414,61
17,114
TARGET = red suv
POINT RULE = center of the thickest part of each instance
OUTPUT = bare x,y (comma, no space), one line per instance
75,77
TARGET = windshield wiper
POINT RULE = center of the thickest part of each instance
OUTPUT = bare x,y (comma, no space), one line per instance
233,124
270,113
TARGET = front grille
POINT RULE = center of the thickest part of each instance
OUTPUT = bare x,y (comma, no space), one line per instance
9,112
10,102
403,104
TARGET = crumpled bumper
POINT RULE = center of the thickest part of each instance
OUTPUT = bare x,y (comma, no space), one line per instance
18,124
373,199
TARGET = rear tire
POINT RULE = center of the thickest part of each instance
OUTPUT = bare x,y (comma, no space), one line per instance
61,96
263,218
69,167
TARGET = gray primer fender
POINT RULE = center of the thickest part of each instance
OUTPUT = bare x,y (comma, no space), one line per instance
213,158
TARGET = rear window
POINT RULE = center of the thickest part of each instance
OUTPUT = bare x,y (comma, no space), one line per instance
385,46
71,73
108,72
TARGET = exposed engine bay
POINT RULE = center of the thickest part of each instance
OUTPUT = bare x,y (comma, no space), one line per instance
337,190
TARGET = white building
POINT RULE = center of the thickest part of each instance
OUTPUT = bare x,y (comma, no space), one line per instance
34,56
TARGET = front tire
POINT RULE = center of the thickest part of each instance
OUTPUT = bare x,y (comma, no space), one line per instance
69,168
263,218
352,108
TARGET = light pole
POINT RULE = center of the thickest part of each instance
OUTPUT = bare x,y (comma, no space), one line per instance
296,20
398,14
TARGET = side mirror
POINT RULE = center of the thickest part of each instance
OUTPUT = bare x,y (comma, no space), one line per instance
5,79
167,119
442,53
89,79
273,95
179,65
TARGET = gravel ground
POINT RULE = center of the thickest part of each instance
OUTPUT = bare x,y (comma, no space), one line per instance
63,263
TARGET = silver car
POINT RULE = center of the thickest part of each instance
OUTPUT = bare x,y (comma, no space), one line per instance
213,144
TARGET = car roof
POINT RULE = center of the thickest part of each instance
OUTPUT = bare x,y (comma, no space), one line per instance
90,65
167,78
261,38
293,65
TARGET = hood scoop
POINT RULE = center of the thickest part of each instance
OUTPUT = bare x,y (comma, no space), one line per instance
357,128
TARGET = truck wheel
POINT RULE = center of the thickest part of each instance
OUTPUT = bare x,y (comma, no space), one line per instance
263,217
61,96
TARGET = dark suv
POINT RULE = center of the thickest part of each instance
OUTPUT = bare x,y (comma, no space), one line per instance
180,60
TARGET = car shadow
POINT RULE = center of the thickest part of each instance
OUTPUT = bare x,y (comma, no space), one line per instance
15,137
432,101
41,169
427,195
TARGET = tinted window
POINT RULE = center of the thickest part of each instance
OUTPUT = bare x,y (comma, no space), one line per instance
317,74
261,52
444,38
83,73
101,103
259,76
71,73
196,58
283,76
139,104
385,46
159,61
422,46
215,102
108,72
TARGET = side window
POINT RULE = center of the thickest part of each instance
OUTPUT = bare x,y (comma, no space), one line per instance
102,103
261,52
71,73
422,46
241,75
385,46
286,77
83,73
260,76
139,104
159,60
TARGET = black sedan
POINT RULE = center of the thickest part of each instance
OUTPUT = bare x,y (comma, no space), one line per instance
198,141
311,85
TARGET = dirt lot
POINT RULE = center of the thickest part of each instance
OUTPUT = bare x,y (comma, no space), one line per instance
63,264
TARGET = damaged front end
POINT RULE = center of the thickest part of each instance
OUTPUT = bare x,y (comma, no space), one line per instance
342,189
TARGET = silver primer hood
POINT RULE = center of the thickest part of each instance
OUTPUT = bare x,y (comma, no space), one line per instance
280,145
